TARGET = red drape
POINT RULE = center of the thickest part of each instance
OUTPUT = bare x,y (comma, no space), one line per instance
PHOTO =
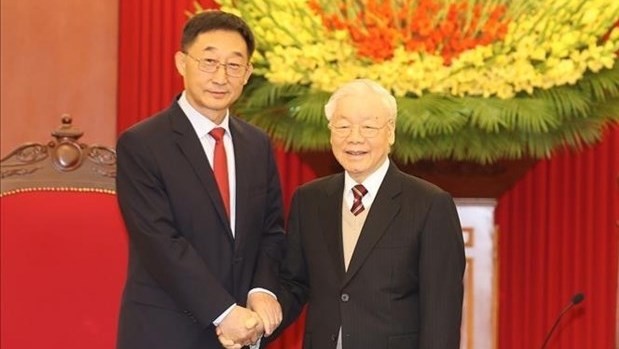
149,35
557,226
557,237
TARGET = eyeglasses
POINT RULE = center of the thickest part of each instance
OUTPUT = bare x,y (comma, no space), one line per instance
209,65
364,130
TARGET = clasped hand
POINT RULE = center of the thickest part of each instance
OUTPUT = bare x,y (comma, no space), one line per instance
245,326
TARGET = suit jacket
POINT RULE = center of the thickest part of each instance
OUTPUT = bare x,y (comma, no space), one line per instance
403,287
185,266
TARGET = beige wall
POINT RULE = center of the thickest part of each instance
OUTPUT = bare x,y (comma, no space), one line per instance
57,56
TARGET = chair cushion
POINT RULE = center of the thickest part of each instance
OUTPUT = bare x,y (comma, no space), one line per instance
63,258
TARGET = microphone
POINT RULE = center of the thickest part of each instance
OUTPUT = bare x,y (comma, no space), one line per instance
577,298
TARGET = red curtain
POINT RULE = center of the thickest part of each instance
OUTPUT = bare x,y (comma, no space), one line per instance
557,237
557,225
149,35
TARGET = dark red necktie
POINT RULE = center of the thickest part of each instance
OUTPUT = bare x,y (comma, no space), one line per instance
358,191
220,166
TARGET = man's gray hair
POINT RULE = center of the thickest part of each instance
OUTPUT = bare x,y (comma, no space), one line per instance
358,87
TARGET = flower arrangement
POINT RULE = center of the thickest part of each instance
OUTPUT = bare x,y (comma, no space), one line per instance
475,79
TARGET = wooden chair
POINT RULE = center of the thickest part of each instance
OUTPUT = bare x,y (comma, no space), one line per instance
63,247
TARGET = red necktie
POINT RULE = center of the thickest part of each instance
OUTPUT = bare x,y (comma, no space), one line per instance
358,191
220,166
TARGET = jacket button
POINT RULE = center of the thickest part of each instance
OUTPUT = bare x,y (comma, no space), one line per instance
344,297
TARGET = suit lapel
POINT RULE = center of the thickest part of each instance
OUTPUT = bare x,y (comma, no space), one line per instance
383,210
331,210
191,148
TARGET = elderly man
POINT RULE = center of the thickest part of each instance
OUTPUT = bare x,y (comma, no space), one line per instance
376,254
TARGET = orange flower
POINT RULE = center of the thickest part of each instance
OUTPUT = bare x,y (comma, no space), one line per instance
377,28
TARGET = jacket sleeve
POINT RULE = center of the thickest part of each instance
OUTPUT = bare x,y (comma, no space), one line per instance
294,290
271,249
441,268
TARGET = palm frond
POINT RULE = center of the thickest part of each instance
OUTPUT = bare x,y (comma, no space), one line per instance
445,127
601,85
430,115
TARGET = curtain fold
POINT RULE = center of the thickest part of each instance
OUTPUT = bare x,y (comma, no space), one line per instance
293,171
149,33
558,237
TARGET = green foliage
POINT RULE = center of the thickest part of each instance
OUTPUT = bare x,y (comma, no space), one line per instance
445,127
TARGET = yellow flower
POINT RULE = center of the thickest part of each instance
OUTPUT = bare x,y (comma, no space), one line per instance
551,43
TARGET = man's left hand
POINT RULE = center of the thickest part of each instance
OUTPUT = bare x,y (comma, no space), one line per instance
268,308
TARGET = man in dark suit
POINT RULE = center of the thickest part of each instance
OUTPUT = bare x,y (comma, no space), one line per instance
376,254
200,195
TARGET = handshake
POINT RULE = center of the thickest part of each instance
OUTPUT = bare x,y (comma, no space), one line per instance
245,326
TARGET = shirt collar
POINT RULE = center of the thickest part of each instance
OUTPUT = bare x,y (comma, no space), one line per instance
201,124
371,183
